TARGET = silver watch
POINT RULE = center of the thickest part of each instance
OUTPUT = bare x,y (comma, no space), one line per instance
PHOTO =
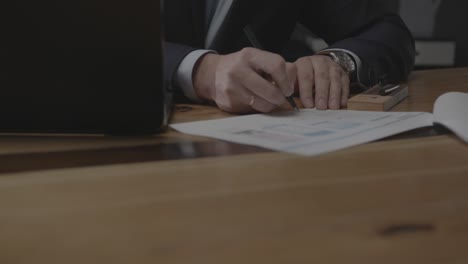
343,59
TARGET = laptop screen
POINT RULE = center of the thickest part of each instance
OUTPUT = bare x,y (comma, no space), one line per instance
81,66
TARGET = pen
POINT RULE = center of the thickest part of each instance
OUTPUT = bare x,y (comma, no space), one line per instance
256,44
388,89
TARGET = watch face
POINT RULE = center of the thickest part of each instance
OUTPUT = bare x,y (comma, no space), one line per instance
345,61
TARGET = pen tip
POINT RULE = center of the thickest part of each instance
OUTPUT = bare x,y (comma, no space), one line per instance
292,103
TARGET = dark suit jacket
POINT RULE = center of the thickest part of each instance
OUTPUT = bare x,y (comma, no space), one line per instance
379,37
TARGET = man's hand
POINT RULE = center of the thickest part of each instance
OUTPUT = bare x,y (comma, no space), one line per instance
322,83
246,81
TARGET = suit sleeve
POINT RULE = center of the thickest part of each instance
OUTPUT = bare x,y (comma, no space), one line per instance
173,56
379,37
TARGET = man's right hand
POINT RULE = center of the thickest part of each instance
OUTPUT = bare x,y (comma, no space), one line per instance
250,80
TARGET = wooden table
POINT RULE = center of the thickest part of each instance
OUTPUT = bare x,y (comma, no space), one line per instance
173,198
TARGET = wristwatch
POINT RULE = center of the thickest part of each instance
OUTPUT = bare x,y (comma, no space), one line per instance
344,60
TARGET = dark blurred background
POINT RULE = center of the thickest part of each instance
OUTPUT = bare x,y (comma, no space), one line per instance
439,27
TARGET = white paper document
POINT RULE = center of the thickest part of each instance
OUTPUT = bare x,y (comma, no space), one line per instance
308,132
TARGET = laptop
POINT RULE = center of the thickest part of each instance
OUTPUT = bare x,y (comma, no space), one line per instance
82,66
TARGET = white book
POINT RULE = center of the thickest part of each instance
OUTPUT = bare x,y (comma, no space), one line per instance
451,111
313,132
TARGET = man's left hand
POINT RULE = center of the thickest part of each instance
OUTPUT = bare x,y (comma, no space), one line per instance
322,83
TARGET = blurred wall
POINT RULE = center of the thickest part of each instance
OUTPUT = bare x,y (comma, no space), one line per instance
439,27
452,23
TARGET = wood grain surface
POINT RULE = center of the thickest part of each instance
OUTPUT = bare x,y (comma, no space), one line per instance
389,202
426,86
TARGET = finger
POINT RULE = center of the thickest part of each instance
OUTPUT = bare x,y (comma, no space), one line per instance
237,99
305,79
322,81
291,70
345,83
232,97
255,102
334,98
272,64
260,105
262,88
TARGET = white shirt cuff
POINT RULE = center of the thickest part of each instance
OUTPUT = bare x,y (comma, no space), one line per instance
184,74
